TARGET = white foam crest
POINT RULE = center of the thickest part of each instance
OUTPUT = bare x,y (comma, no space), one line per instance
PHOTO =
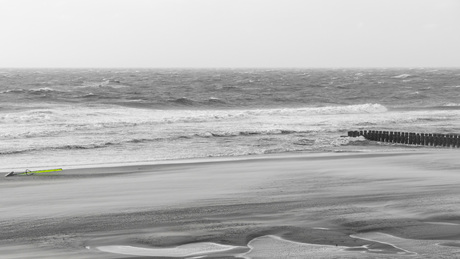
402,76
19,90
452,104
116,114
43,115
103,84
43,89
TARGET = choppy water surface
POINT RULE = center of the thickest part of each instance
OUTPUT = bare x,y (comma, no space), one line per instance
98,116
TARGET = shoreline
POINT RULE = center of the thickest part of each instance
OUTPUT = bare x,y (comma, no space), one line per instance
242,158
309,198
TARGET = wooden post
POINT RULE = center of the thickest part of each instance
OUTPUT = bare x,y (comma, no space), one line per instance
449,140
438,140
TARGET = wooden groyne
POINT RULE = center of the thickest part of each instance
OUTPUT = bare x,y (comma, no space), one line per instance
409,138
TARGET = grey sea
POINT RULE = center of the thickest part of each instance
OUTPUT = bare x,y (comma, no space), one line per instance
89,117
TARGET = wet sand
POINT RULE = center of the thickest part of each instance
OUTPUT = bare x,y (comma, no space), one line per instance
355,205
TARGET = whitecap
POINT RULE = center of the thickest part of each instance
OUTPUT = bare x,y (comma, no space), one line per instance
402,76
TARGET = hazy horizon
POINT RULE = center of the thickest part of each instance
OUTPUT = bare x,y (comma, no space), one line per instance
230,34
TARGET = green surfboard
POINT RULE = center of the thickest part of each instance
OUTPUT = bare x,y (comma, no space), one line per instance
28,172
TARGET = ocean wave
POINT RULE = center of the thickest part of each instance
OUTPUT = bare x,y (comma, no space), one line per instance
352,141
402,76
183,101
215,100
349,109
30,91
15,152
88,146
18,90
452,104
87,96
42,90
143,140
109,83
60,147
305,142
447,106
252,133
216,115
87,118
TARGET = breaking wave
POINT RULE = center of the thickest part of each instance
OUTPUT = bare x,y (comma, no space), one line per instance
111,117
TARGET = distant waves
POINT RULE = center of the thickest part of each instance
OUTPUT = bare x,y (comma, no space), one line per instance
203,89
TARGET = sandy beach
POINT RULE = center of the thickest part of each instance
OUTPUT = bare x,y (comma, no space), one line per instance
324,205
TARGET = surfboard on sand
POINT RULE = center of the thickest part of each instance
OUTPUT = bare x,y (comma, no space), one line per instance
28,172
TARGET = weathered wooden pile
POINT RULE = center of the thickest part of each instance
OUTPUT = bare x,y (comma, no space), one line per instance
422,139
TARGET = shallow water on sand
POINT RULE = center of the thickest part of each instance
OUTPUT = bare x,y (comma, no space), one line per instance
276,247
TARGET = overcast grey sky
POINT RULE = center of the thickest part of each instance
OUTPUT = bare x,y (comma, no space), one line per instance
229,33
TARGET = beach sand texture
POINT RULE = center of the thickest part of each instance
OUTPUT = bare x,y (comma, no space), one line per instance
335,205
